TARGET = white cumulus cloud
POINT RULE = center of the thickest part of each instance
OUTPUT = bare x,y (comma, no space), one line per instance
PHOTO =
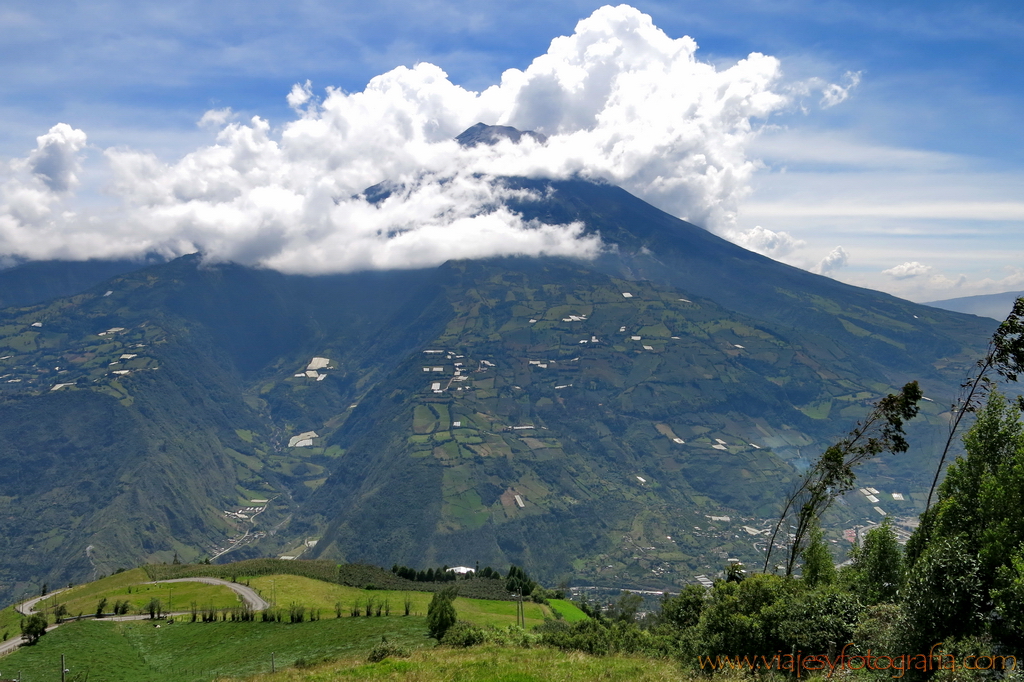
907,270
619,100
836,259
766,242
55,159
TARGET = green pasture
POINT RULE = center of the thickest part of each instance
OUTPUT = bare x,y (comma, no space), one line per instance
137,651
492,663
293,589
131,586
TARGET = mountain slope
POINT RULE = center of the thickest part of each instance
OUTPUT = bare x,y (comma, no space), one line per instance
189,391
996,306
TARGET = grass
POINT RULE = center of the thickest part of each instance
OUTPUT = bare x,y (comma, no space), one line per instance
489,664
570,612
139,652
293,589
10,623
129,585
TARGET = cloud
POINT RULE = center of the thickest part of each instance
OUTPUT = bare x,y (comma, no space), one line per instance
618,99
766,242
216,118
833,93
907,270
34,220
55,159
835,260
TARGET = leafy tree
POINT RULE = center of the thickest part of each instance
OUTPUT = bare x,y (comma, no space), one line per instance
1006,356
100,606
1008,596
832,475
627,606
819,566
982,493
441,612
812,619
684,609
944,593
878,565
33,628
744,617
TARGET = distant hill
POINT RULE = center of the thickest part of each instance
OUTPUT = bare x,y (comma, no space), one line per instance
996,306
631,420
38,281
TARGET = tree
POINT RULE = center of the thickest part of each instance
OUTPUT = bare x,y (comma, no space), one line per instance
832,475
441,612
519,582
100,606
33,628
878,565
944,593
1009,596
735,573
819,566
627,606
1006,356
683,610
982,493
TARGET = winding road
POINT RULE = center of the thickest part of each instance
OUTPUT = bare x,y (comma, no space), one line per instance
248,596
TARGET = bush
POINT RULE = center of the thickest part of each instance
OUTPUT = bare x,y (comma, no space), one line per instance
441,613
511,635
386,649
463,634
312,662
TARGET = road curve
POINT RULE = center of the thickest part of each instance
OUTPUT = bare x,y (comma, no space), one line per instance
27,608
248,595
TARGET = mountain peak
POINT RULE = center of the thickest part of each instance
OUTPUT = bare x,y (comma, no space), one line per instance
481,133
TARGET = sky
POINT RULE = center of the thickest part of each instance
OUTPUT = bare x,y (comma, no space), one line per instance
874,142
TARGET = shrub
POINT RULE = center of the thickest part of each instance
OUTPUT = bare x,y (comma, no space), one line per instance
312,662
386,649
463,634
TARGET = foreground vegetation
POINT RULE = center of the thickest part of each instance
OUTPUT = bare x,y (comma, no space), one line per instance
139,652
488,663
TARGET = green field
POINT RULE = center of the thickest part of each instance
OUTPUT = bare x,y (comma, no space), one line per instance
491,663
293,589
130,585
182,651
139,651
570,612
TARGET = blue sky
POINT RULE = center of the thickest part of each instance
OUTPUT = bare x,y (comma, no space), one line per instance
918,175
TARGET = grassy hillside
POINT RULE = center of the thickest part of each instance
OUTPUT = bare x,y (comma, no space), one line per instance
140,652
132,586
290,589
490,664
